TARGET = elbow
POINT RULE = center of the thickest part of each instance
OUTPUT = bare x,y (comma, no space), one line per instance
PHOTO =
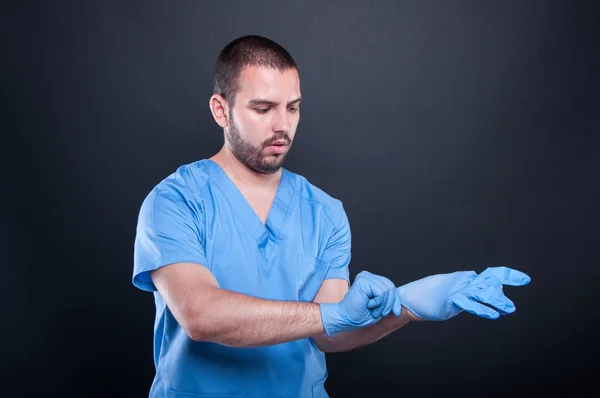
192,329
199,332
206,332
195,333
196,326
202,329
203,324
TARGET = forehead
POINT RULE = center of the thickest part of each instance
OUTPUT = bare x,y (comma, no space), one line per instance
267,83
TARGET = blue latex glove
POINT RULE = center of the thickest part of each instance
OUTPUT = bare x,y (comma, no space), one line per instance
440,297
370,298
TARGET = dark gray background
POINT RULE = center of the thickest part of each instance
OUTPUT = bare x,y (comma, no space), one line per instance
459,135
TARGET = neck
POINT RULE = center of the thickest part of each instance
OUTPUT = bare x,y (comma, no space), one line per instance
241,174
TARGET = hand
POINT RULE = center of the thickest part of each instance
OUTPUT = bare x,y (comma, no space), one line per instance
370,298
440,297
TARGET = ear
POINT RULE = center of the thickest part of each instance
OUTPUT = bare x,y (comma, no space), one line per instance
219,108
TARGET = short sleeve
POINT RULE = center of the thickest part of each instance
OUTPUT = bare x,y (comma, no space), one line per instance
338,249
169,230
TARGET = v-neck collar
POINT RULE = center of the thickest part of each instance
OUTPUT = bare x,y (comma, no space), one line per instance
278,213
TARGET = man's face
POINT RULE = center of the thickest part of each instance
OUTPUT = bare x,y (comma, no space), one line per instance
263,121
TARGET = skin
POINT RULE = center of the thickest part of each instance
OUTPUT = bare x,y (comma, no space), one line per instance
266,109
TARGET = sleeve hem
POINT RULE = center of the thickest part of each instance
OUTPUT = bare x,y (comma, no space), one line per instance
338,273
142,279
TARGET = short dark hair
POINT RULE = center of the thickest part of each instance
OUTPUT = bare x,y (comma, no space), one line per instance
251,50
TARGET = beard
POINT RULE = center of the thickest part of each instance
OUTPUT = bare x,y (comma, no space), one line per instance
251,156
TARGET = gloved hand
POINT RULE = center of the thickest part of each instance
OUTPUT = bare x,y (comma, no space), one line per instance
440,297
370,298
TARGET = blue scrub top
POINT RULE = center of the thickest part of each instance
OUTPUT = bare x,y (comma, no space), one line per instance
198,215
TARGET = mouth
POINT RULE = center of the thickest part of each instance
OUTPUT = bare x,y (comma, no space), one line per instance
279,143
277,147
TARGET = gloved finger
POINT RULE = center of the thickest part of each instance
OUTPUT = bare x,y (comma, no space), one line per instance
389,302
501,303
507,276
363,274
391,295
362,280
377,295
385,288
379,310
374,302
369,285
387,283
474,307
397,304
490,292
372,284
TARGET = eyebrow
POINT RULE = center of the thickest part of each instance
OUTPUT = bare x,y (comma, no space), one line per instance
260,101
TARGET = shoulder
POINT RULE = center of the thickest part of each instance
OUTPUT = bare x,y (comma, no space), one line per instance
186,183
188,180
184,186
332,207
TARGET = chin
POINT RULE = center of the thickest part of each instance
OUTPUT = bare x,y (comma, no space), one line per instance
271,167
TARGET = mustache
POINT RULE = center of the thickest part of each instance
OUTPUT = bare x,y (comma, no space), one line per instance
276,138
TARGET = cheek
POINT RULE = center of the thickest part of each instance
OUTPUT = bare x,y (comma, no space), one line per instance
249,125
254,121
257,131
295,123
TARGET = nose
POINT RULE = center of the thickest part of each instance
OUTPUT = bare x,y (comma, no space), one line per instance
281,122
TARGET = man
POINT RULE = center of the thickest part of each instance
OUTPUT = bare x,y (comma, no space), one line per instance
248,262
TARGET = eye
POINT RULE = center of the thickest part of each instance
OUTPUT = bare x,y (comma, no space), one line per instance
262,111
293,110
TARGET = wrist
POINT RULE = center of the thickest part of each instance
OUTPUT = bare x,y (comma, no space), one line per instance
331,319
410,316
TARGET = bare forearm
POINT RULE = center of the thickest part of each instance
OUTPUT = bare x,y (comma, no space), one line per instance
360,337
239,320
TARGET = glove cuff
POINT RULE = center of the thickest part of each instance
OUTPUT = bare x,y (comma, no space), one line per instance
332,323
